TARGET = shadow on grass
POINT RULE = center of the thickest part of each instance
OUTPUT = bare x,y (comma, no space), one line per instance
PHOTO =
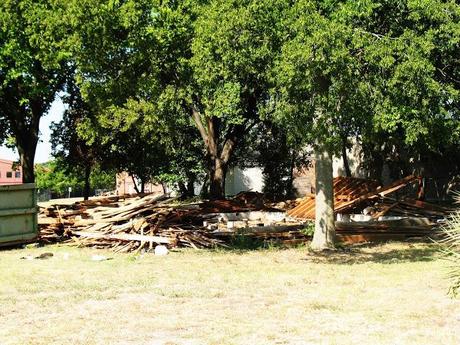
241,244
390,253
383,252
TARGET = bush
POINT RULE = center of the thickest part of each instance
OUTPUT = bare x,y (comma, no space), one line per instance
451,247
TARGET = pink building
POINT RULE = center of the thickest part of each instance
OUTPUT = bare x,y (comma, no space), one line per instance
125,185
8,175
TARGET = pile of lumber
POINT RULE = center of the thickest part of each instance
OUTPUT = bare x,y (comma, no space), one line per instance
375,231
137,224
129,225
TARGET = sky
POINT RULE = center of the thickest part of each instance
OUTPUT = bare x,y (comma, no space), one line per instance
43,153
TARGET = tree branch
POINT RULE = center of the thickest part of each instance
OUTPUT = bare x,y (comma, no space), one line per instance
197,118
230,142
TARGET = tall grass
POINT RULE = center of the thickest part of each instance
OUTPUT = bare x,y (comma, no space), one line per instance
451,247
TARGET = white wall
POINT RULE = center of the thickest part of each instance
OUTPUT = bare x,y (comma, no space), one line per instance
239,180
355,159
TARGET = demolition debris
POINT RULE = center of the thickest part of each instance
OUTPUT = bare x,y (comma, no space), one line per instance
365,212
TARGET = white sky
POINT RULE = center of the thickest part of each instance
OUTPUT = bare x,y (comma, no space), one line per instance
43,153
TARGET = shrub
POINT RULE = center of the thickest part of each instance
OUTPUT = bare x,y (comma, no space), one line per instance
451,247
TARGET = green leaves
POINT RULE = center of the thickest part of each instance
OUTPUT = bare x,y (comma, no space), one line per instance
233,50
367,66
323,69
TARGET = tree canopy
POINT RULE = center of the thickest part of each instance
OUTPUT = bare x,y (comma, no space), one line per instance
176,90
365,68
32,71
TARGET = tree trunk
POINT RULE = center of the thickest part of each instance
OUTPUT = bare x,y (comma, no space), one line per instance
182,189
290,191
346,164
142,186
217,182
187,190
324,236
86,191
191,186
165,188
204,193
218,153
27,157
25,126
135,184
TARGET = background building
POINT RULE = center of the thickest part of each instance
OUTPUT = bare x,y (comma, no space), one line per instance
9,174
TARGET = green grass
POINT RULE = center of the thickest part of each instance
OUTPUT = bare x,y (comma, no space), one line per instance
387,294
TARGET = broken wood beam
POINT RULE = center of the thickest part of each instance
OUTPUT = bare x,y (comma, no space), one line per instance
125,237
382,191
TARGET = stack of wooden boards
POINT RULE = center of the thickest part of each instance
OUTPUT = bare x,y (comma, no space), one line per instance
360,196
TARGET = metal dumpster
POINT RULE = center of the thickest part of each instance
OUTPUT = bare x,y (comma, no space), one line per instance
18,214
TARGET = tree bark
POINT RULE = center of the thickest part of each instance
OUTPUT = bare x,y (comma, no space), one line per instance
183,190
191,186
26,142
290,191
324,236
346,164
163,185
135,184
142,186
27,163
218,153
204,193
217,179
87,188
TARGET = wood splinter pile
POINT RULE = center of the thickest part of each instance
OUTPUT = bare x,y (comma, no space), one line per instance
124,226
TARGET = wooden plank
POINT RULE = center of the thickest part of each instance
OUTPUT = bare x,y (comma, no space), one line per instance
350,239
52,221
124,237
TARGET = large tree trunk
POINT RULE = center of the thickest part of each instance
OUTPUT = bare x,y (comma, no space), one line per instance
27,157
217,179
324,236
218,153
87,188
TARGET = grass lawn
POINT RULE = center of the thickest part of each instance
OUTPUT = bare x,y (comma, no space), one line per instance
386,294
